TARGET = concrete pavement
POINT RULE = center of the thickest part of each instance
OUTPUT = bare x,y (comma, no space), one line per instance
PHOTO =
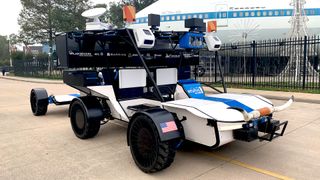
32,80
46,148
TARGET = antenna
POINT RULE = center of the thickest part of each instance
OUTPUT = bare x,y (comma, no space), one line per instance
298,30
94,14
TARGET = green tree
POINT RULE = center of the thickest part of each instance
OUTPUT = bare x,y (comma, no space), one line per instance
115,14
20,38
104,18
41,19
115,9
4,49
67,14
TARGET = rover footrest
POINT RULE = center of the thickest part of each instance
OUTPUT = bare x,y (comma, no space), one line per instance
142,107
271,129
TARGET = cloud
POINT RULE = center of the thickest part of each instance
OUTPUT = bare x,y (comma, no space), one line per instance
9,13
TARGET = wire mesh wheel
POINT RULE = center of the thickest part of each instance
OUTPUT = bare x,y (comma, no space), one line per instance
148,152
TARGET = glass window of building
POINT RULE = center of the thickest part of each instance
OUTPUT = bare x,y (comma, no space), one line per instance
224,15
288,13
264,13
258,13
234,14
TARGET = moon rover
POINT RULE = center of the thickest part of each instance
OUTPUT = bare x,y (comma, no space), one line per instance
143,76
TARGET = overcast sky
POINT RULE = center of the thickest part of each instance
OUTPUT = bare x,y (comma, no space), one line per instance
9,12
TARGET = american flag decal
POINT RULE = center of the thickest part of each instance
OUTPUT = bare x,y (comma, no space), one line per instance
168,126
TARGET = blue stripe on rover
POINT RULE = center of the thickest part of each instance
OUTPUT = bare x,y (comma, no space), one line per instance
194,90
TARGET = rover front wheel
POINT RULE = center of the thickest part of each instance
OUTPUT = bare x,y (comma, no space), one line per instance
148,152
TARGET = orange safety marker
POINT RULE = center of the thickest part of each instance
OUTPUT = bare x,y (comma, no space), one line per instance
212,26
265,111
129,13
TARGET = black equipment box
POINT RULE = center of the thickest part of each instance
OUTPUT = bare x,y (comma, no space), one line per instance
92,48
269,127
81,78
246,134
113,48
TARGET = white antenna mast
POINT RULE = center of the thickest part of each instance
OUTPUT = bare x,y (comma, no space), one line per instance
299,19
298,30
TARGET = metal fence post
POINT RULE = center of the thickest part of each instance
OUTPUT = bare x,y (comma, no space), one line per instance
254,63
221,73
215,67
304,62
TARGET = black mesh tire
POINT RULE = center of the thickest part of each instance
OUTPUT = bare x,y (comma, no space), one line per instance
149,153
82,127
39,101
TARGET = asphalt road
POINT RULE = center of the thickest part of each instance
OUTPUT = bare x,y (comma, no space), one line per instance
46,148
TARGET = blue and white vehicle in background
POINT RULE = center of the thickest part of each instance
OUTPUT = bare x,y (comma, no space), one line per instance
237,20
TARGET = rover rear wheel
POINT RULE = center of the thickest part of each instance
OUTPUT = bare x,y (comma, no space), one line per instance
82,126
39,101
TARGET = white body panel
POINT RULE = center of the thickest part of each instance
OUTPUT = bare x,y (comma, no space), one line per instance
207,109
115,107
196,128
167,76
129,78
64,98
236,20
